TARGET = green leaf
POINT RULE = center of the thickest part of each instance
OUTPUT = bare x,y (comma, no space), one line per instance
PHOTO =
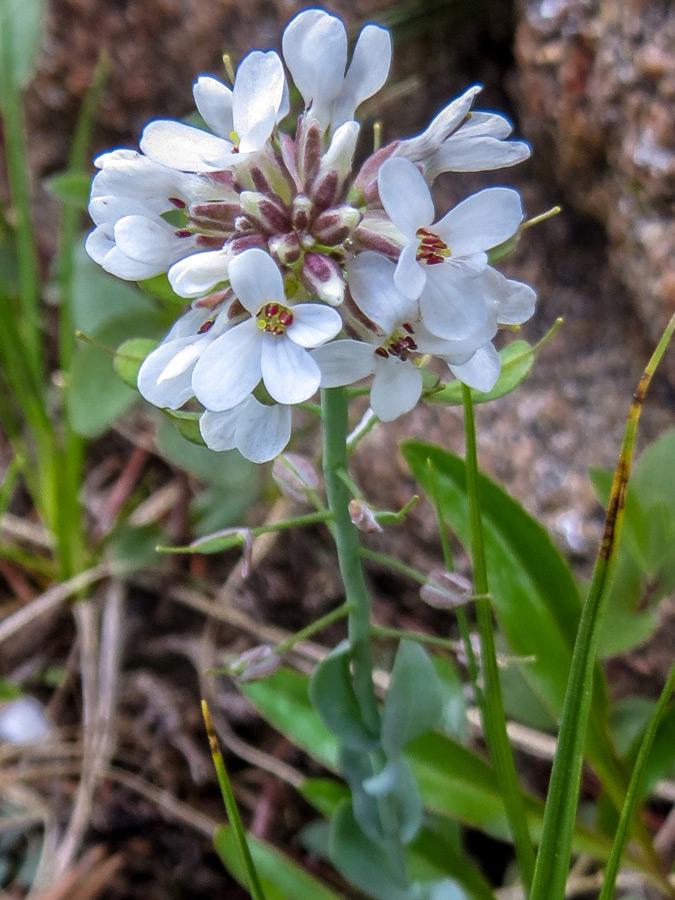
517,362
533,592
280,877
96,396
413,703
363,862
323,793
454,782
129,357
160,287
453,714
331,691
20,35
71,188
187,424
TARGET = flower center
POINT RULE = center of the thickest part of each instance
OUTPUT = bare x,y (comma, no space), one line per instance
274,318
432,250
399,344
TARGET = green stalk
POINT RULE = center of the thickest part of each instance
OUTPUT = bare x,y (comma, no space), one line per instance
494,719
254,886
334,404
632,795
561,804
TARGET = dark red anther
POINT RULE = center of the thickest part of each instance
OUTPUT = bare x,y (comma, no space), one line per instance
285,318
205,327
382,352
179,204
183,233
408,327
271,310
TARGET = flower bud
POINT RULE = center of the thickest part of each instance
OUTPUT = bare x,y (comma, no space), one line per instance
216,216
334,226
309,156
295,475
362,516
302,212
266,209
446,590
285,249
377,232
370,169
255,664
322,276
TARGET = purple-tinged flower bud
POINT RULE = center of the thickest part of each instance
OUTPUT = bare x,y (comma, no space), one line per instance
334,226
295,475
302,212
446,590
285,249
255,664
223,179
362,516
245,242
309,153
215,300
377,232
217,216
260,180
267,210
370,169
325,191
244,224
322,276
207,242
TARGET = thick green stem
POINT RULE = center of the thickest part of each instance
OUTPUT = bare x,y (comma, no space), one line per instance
334,404
494,720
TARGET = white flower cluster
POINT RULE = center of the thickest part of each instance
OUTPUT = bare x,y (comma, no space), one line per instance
269,234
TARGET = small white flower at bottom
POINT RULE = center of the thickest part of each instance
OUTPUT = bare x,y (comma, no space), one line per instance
259,432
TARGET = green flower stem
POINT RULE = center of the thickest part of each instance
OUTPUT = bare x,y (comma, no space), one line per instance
335,408
254,886
633,793
403,634
313,628
494,720
392,563
561,803
334,404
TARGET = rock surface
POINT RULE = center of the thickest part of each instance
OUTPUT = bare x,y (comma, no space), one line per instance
596,92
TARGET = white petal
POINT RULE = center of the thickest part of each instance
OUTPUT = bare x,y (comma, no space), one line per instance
397,386
99,242
184,147
455,352
262,431
519,304
344,362
479,154
339,155
366,74
229,369
160,389
218,428
196,275
447,120
313,324
315,50
256,279
151,241
410,276
214,102
405,195
119,264
371,283
481,371
110,209
482,221
289,372
258,95
453,306
486,124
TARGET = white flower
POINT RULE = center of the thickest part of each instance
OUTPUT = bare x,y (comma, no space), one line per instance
397,381
165,376
242,119
270,345
458,140
315,50
259,432
445,264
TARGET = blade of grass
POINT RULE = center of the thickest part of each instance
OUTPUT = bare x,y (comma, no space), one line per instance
553,859
621,835
254,885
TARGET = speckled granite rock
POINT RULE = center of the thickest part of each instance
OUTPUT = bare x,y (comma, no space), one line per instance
596,92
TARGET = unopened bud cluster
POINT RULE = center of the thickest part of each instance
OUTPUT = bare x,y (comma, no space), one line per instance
300,272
